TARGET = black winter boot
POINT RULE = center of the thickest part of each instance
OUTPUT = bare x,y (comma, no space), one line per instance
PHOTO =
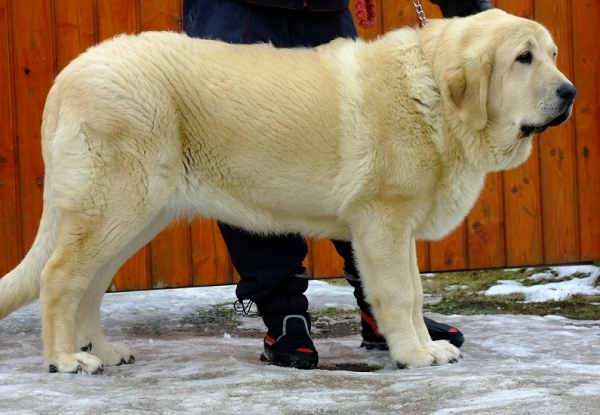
288,342
372,339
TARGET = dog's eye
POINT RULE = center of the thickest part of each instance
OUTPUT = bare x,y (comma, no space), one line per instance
525,57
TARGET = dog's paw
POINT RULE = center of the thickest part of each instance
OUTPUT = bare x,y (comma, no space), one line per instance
443,352
111,354
75,363
433,354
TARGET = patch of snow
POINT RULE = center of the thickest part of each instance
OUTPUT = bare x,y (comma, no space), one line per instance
556,291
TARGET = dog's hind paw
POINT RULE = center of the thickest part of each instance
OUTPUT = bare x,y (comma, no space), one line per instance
76,363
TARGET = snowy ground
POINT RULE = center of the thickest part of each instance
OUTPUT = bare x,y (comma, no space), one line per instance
512,365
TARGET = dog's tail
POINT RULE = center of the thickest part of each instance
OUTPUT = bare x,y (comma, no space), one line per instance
22,285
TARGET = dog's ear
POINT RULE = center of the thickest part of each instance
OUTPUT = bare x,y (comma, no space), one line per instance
465,85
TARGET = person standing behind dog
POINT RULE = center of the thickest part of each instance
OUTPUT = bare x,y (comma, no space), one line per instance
270,268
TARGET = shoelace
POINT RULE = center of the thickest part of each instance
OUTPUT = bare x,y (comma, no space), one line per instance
241,307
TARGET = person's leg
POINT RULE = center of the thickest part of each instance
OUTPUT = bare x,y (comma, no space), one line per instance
372,339
270,268
272,276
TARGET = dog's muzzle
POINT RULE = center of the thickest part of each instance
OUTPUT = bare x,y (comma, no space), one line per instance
566,94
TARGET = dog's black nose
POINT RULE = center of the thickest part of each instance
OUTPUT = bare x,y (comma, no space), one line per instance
566,91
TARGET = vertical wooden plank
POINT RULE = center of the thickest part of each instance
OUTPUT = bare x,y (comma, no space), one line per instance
397,14
485,227
521,186
211,263
161,15
75,29
118,16
451,252
423,256
557,152
522,213
114,17
10,220
325,261
586,17
34,71
521,8
171,252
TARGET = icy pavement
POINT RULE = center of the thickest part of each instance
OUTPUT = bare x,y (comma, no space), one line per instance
512,365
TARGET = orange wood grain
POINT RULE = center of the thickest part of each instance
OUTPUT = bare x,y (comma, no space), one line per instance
522,213
34,70
397,14
210,259
161,15
485,227
11,238
118,16
449,253
586,64
75,27
557,152
324,260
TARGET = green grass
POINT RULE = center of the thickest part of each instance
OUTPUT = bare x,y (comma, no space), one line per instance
468,298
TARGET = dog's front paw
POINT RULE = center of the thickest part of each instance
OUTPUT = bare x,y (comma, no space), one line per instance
443,352
111,354
435,353
75,363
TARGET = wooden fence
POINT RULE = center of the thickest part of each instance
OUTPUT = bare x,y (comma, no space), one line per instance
540,213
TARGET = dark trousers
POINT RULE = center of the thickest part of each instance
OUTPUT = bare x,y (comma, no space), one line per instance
264,262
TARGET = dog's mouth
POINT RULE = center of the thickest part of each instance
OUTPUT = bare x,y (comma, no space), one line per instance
529,130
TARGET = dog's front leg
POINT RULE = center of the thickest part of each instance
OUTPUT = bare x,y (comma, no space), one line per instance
440,348
384,250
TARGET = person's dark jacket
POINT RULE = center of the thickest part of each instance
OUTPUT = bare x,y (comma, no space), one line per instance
450,8
322,5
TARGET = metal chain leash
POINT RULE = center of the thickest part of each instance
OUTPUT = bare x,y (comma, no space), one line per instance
420,12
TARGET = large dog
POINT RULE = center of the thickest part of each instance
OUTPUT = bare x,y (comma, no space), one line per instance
379,143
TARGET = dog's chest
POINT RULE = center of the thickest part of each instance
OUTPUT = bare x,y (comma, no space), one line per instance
453,200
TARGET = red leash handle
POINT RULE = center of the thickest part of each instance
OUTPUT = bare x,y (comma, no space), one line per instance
365,13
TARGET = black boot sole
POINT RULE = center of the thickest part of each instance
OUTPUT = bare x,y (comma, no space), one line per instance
295,361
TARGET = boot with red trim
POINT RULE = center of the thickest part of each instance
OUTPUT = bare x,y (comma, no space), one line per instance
294,347
284,312
372,339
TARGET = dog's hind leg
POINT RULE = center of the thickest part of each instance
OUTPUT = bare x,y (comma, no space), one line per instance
84,245
90,335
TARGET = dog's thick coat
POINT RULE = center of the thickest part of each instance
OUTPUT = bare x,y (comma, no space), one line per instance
380,143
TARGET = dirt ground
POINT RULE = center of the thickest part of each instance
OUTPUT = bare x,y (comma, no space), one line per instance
192,358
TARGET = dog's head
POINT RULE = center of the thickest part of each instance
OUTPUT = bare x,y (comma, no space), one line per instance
499,73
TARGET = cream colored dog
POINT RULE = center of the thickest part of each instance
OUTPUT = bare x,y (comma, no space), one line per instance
380,143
